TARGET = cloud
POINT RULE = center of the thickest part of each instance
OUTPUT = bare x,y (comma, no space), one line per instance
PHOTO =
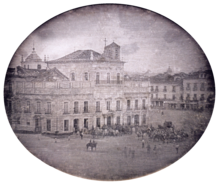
44,33
129,48
173,35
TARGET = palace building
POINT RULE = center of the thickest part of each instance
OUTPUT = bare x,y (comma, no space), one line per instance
86,89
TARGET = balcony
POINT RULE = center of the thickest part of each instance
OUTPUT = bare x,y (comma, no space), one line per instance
111,82
164,90
195,89
188,88
156,90
129,108
202,89
173,91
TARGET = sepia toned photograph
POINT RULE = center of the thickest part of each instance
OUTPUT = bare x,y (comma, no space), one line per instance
109,92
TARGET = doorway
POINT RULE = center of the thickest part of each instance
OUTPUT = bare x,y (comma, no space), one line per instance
76,125
109,121
37,125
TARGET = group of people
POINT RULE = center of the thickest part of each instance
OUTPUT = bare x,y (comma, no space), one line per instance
129,152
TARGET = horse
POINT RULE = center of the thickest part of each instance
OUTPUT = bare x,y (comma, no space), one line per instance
91,145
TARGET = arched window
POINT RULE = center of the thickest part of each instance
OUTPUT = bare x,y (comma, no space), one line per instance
73,76
97,78
108,77
118,78
38,66
86,76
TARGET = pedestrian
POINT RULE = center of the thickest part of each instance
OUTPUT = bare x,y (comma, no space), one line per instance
81,134
143,143
55,140
90,141
155,149
69,138
148,148
125,151
129,152
162,113
133,153
177,148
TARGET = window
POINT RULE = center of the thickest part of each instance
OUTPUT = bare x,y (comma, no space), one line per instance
25,66
108,77
28,66
86,76
48,108
86,124
156,89
98,124
38,66
98,106
109,121
97,78
65,107
136,119
66,125
76,107
188,97
195,97
202,87
73,77
28,123
152,95
118,120
28,109
128,104
156,95
143,104
136,104
144,119
165,96
165,89
48,125
181,97
118,78
10,87
129,120
118,105
152,88
195,87
174,97
188,86
38,107
202,98
86,106
174,89
108,105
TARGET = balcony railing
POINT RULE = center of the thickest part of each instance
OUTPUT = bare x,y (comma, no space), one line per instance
105,82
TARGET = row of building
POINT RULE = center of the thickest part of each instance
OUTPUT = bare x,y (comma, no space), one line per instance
86,89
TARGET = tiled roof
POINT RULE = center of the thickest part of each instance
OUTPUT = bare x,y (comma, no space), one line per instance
29,72
51,75
79,55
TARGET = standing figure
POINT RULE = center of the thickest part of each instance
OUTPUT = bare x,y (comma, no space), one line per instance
177,148
148,148
125,151
143,143
133,153
81,134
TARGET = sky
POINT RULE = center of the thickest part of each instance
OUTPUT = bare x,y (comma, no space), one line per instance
148,40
